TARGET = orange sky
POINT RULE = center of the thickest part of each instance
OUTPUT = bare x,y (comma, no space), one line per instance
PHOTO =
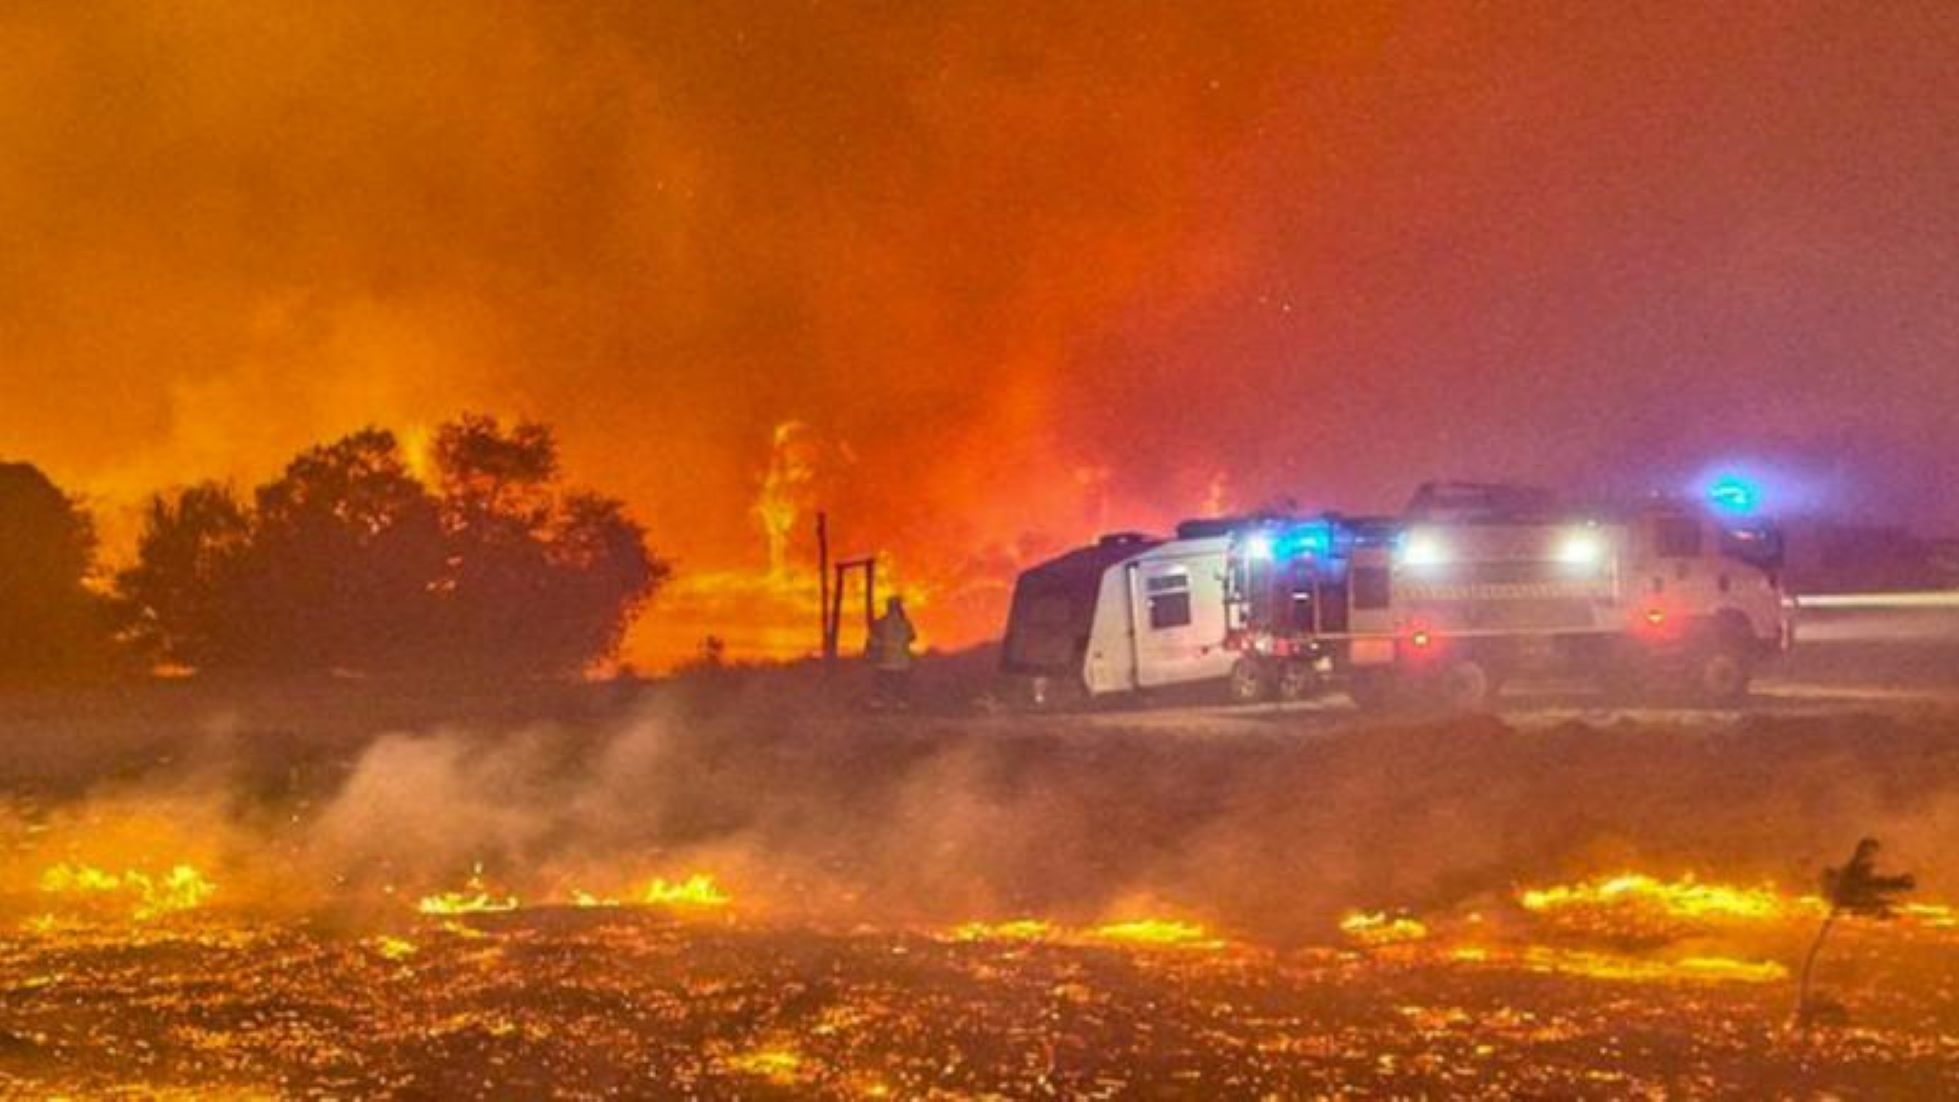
1019,271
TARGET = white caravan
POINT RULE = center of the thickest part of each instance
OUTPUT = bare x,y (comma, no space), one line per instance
1128,614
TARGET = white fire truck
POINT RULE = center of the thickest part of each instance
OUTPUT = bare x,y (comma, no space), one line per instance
1475,583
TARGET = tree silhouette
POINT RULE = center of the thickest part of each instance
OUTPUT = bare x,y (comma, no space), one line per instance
1855,889
55,627
537,576
346,549
347,561
183,593
600,575
491,475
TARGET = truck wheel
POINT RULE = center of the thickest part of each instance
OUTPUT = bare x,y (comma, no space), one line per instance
1251,681
1466,686
1296,681
1721,676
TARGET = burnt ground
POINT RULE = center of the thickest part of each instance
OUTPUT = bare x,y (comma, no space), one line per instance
854,846
631,1005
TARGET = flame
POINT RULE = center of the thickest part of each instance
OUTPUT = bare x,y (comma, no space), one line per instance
1140,932
1935,915
1612,966
393,948
1019,929
1634,895
1378,928
417,444
698,891
1629,905
475,898
768,614
780,1065
183,888
783,484
1156,931
1217,495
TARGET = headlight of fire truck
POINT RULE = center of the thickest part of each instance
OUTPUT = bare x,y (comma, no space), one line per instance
1581,547
1422,548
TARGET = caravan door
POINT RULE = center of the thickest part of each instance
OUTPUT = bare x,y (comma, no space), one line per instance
1178,598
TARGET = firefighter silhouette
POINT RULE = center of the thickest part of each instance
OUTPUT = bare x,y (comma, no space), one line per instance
890,654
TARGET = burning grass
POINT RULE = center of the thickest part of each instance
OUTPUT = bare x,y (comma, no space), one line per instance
1380,928
696,892
1638,899
897,910
1132,933
139,894
475,898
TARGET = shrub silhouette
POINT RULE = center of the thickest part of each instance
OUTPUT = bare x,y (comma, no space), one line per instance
56,629
1855,889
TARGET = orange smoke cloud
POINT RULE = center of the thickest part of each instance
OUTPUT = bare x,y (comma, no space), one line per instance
1020,271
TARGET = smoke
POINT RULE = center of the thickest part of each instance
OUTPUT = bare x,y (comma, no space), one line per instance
1330,251
811,814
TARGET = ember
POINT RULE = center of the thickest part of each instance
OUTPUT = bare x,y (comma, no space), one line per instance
1013,1009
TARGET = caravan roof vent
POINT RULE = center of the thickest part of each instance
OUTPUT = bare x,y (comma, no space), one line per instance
1122,539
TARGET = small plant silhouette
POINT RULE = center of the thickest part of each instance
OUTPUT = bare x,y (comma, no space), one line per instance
713,652
1855,889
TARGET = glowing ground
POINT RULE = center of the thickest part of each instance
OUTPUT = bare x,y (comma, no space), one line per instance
746,902
588,1002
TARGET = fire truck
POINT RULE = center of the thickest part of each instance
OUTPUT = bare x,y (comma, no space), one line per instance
1474,584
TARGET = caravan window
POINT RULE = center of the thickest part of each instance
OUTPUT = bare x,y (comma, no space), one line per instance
1169,600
